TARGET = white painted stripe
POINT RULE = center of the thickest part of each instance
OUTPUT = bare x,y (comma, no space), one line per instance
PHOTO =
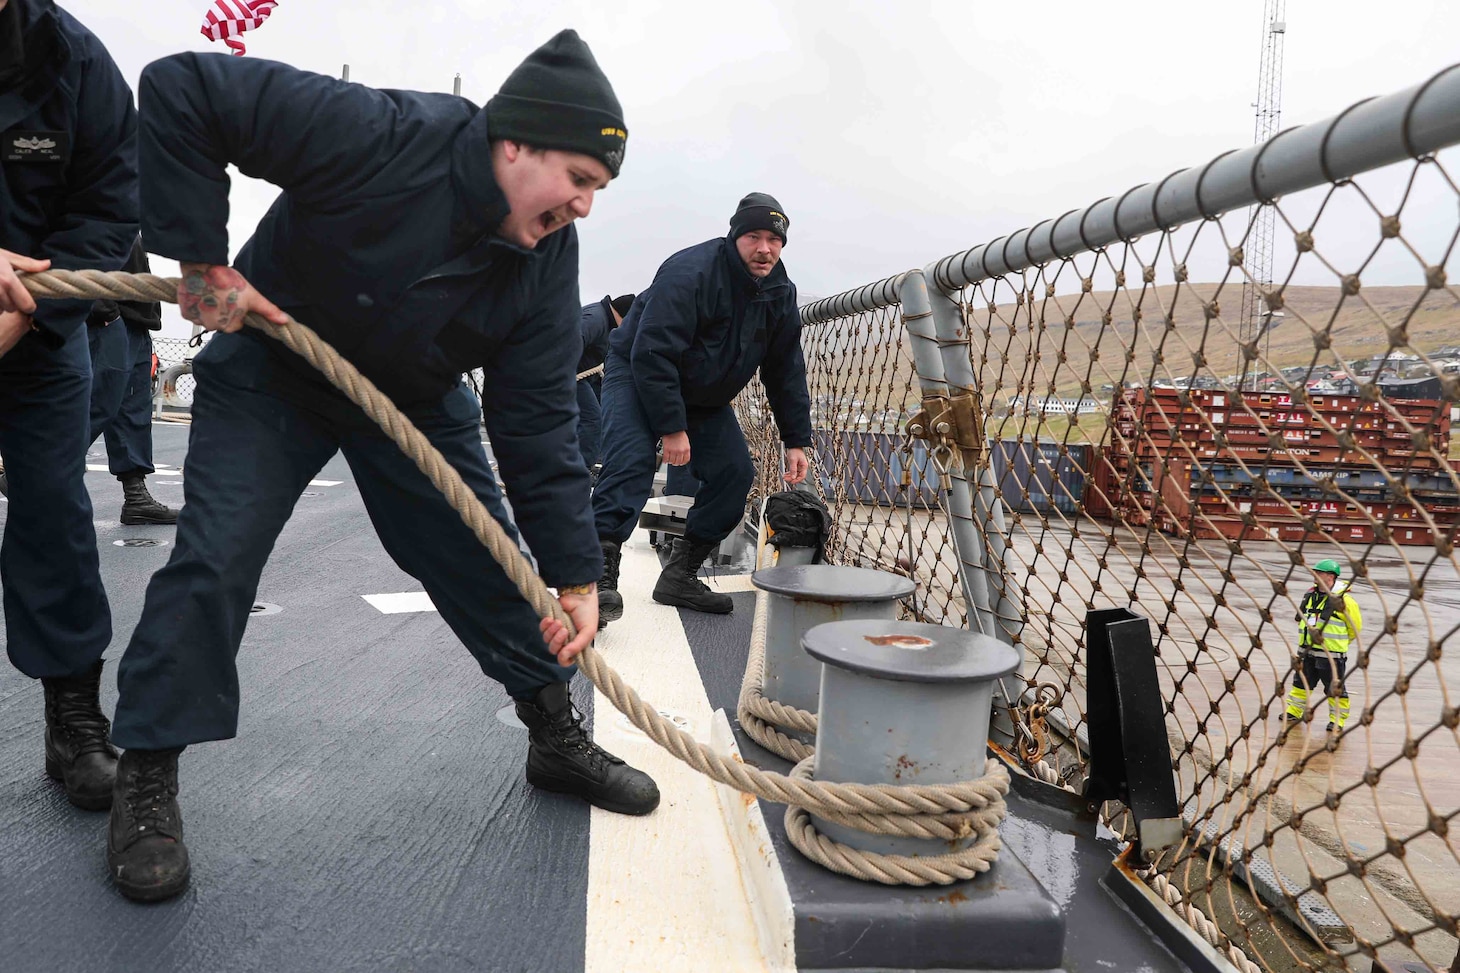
760,867
664,892
401,602
325,482
99,468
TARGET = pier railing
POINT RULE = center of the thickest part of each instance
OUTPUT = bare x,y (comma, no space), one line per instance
1123,406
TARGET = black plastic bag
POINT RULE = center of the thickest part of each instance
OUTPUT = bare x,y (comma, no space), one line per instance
796,518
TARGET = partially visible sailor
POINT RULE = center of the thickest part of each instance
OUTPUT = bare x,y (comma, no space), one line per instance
68,199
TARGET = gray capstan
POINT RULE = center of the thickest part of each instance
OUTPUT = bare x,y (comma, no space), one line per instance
912,652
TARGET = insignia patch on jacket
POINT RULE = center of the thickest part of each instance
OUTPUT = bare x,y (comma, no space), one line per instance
17,146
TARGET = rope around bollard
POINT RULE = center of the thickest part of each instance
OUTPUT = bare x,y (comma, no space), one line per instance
888,805
763,719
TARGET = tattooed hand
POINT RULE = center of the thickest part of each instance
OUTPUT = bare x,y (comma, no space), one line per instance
218,298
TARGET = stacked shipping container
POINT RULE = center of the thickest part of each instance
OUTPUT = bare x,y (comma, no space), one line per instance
1254,465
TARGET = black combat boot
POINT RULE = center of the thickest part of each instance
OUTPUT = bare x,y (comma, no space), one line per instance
138,506
610,602
563,758
680,585
144,842
78,753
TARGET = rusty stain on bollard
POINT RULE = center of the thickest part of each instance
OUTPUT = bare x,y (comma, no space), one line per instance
901,641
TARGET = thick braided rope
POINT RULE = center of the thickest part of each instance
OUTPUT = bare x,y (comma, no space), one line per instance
762,718
954,866
595,370
1197,919
823,798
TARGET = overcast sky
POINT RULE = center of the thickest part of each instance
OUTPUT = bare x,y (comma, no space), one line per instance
891,132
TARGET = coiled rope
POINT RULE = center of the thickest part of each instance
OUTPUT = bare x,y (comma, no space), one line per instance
949,811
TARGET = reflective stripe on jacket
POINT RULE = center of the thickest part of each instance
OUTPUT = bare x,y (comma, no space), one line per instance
1340,626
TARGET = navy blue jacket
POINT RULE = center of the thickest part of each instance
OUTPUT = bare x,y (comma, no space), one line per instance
68,156
383,240
596,324
696,337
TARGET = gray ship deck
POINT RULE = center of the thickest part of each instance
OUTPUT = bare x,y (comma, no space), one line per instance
372,814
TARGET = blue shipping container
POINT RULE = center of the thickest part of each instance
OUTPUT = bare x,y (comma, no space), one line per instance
867,467
1038,476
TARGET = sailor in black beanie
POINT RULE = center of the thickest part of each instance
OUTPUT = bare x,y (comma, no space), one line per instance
715,315
423,237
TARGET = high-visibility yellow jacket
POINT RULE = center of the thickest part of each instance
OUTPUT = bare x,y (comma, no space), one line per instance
1330,620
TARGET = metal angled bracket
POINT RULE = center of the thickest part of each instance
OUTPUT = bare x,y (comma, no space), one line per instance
1130,756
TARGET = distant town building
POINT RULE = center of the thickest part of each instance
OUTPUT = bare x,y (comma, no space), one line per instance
1021,405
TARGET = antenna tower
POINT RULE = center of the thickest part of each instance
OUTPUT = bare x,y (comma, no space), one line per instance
1258,248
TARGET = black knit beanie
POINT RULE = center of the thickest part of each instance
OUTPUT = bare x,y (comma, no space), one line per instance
622,303
759,211
559,99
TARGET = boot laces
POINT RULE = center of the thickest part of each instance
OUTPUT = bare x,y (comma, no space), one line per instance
692,567
610,571
571,738
80,719
149,797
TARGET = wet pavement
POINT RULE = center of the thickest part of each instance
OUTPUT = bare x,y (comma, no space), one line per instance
1329,802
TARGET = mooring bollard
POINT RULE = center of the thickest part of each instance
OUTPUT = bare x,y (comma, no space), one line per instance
792,557
903,703
807,595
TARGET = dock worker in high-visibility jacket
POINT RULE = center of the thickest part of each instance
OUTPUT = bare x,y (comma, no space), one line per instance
1329,622
424,237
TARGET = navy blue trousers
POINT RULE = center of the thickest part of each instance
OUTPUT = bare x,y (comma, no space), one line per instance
261,430
719,460
57,620
680,482
121,395
590,421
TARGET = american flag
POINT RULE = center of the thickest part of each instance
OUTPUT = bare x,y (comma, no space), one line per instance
228,19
